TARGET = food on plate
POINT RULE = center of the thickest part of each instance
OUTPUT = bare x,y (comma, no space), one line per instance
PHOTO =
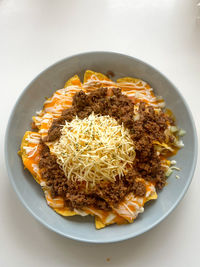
101,148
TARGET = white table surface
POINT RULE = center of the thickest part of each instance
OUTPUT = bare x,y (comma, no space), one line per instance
36,33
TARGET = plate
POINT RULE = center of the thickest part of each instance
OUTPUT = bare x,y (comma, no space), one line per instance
31,100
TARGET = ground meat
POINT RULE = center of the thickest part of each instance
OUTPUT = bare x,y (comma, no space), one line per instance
149,127
79,199
51,172
110,74
34,127
115,192
80,100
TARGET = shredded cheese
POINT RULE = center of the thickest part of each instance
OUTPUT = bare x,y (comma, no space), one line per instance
94,149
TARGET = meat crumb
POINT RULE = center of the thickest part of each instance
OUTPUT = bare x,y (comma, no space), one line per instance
110,74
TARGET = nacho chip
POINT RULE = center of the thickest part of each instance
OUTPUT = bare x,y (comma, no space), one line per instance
162,146
139,91
30,153
128,80
133,205
94,80
91,75
73,81
98,223
104,218
110,218
53,106
66,212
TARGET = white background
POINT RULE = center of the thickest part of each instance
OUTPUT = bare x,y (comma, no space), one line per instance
36,33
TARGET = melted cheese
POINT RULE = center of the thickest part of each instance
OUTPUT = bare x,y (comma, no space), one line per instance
94,149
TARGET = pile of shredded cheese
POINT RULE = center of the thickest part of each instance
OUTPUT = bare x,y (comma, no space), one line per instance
94,149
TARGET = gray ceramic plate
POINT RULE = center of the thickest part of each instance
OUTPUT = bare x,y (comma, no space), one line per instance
31,100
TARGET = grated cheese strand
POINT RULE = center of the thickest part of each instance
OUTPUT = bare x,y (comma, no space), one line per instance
94,149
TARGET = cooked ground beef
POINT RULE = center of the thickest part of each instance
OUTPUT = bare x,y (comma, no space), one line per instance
148,127
110,74
34,127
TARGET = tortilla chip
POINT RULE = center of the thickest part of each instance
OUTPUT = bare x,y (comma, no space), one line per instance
152,197
89,74
135,81
30,155
75,80
104,218
133,205
98,223
128,80
163,146
53,106
66,212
